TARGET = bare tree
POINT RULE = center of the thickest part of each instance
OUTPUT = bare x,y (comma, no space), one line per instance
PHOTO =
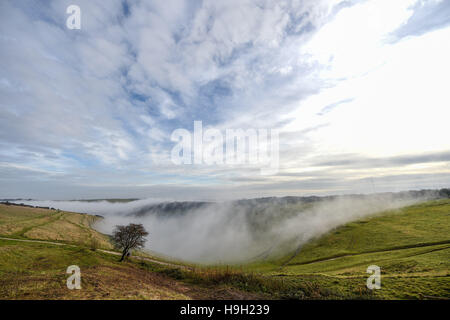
129,237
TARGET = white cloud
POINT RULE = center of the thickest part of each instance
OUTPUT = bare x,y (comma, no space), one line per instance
108,96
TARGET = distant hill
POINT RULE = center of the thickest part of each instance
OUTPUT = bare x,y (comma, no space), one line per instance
169,208
253,206
108,200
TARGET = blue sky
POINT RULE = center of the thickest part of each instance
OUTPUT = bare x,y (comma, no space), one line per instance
357,89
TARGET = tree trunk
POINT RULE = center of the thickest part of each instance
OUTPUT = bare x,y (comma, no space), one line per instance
123,255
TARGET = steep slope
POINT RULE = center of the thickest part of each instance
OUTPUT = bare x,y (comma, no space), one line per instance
411,246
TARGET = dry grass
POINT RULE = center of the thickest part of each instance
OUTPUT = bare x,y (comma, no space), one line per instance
19,224
15,213
38,271
63,230
43,224
98,282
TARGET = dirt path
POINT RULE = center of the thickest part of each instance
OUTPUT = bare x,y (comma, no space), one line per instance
147,259
418,245
105,251
38,241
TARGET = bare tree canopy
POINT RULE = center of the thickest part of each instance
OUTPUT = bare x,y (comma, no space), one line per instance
129,237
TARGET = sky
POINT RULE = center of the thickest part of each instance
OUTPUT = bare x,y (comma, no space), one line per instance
358,91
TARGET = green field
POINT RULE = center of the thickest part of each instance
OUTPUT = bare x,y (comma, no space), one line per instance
411,246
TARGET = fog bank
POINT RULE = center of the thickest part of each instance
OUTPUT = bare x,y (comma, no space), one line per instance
235,231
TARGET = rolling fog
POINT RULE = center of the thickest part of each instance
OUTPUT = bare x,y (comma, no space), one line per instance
233,231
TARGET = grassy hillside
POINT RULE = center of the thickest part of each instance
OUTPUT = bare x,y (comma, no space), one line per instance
34,223
42,243
419,225
38,271
411,245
